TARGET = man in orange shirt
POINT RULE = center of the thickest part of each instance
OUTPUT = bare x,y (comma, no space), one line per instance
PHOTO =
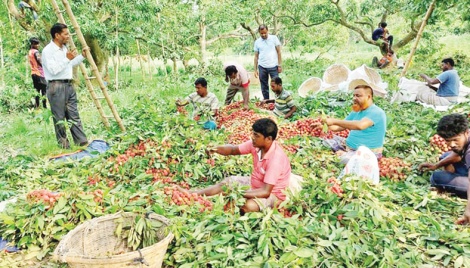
384,61
271,168
37,73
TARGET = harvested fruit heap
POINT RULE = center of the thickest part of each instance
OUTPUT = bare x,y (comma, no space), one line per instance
266,106
47,197
393,168
182,198
238,123
439,143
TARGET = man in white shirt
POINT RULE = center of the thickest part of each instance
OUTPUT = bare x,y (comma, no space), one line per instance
267,58
58,63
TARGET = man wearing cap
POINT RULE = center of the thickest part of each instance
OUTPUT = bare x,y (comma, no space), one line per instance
205,104
58,62
448,90
367,124
268,58
37,73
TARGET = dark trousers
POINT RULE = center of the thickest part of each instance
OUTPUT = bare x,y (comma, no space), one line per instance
63,101
264,74
456,183
390,41
40,86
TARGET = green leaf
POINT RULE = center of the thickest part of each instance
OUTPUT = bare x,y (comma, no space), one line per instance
304,252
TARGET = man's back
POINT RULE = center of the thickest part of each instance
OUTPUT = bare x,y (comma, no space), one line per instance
450,84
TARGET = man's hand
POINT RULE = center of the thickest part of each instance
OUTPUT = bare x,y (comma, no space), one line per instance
279,69
427,166
71,54
256,74
84,52
210,151
465,219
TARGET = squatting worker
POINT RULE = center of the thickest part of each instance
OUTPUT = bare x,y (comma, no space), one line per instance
58,62
284,105
271,168
453,177
268,58
367,124
449,86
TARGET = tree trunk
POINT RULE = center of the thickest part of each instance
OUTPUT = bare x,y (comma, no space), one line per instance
202,41
2,66
99,55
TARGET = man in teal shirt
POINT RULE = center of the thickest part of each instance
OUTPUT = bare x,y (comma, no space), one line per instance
367,124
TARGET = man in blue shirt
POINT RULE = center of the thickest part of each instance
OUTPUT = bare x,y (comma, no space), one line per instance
449,85
381,36
367,124
267,58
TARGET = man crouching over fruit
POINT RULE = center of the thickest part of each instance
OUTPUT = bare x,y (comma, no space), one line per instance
271,168
456,162
205,104
367,124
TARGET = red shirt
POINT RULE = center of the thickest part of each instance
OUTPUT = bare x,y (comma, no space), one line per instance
36,68
273,169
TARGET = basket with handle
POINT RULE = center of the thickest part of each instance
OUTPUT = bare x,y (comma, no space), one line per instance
94,244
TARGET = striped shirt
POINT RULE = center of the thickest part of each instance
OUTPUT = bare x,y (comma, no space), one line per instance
284,102
201,105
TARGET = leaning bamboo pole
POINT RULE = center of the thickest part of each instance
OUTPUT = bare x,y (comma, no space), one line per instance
94,69
418,37
89,86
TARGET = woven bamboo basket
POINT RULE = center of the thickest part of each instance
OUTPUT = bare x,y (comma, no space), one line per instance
93,244
336,74
309,86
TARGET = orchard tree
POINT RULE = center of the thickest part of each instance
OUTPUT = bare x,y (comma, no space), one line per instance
361,17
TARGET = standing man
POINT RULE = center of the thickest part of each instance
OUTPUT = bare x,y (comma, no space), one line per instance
268,58
284,105
455,163
205,104
449,87
37,73
367,124
239,80
58,63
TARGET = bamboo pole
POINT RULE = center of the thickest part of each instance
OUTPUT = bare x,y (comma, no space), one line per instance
90,59
418,37
89,86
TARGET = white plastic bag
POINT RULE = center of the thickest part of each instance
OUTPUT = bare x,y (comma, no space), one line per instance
363,164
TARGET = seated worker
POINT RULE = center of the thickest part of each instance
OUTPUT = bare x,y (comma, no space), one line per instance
205,104
239,81
367,124
455,163
271,168
384,61
382,37
284,103
448,90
